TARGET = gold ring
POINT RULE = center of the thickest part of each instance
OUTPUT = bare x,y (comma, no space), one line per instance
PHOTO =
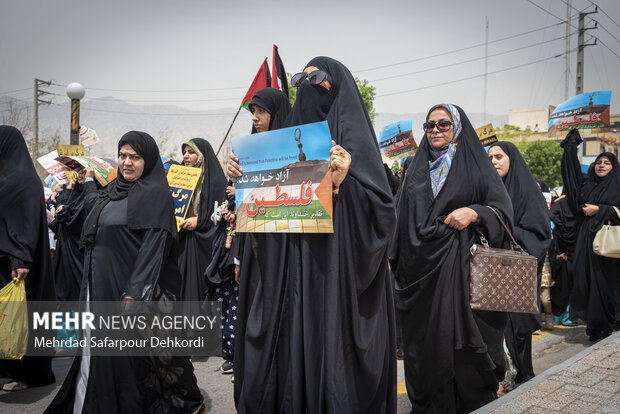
341,154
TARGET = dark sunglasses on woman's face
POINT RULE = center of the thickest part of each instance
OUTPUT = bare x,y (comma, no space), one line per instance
314,78
442,126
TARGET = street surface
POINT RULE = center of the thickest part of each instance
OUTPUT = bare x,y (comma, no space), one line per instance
549,349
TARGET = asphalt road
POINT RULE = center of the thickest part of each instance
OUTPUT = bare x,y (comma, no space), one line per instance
549,349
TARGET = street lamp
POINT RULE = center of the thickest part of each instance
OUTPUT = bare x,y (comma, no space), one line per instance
75,91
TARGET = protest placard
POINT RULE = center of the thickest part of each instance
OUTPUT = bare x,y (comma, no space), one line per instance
104,172
53,167
182,181
286,185
486,135
548,199
88,136
70,150
588,111
396,141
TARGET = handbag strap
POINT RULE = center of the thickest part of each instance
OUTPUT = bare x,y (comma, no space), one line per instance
513,243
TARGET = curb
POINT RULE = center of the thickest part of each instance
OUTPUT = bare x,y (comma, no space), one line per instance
544,375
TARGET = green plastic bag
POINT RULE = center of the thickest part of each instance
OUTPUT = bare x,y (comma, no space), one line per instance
13,320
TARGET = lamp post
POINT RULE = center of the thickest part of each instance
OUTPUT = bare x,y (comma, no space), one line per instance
75,92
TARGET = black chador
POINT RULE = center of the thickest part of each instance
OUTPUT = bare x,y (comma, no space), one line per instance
130,245
196,246
453,355
595,297
67,228
24,242
532,230
315,329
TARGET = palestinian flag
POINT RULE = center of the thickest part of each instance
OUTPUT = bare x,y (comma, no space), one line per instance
278,72
261,80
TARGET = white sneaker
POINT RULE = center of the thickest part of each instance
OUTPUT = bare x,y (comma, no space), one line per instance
15,386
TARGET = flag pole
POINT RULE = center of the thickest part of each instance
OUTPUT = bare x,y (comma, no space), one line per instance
228,132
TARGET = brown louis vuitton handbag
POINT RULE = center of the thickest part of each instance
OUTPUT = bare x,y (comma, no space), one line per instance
502,280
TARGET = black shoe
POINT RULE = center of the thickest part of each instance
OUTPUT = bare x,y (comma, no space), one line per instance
227,367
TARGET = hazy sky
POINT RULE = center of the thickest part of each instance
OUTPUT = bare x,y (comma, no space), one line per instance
201,44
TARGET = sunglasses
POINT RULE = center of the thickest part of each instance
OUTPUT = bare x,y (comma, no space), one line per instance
314,78
442,126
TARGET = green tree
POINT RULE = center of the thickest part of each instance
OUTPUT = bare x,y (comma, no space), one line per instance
543,158
292,91
367,91
395,167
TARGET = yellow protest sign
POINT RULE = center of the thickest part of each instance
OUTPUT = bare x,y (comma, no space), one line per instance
71,175
70,150
486,134
182,181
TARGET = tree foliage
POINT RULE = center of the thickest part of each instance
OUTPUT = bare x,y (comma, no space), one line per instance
21,117
367,91
543,158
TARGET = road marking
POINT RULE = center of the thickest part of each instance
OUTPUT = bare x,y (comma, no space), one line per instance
401,389
546,332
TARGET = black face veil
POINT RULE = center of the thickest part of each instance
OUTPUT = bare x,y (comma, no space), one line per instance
326,295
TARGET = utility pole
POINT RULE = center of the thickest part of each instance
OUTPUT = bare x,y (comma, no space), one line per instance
37,100
581,46
486,53
567,55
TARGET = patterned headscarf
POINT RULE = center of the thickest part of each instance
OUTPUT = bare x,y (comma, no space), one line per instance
441,158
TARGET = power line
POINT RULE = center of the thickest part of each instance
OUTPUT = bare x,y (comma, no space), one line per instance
608,32
574,8
16,90
604,12
534,91
547,11
471,77
160,100
608,48
455,50
161,90
466,61
596,67
171,101
147,113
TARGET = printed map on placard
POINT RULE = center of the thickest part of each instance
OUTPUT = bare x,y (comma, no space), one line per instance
587,111
396,141
286,184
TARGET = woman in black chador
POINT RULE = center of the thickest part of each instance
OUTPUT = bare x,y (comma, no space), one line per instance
130,255
67,227
453,355
197,230
561,257
24,246
315,329
592,200
269,107
532,230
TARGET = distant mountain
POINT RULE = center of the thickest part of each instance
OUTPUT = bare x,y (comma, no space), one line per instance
476,119
170,125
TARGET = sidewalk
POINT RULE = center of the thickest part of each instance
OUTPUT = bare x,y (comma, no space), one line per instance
589,382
